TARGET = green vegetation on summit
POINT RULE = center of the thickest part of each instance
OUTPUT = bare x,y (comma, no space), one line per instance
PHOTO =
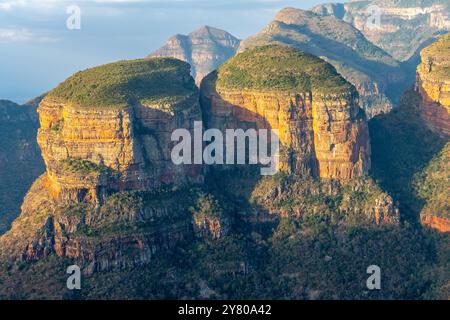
117,85
283,68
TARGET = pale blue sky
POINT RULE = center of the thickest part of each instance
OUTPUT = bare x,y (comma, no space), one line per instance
37,51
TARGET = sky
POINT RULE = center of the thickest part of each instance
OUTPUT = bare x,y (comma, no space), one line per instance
38,50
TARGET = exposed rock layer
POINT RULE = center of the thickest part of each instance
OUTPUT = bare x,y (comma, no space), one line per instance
433,83
95,152
320,134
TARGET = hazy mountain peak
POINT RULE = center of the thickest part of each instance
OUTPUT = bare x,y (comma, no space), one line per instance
206,48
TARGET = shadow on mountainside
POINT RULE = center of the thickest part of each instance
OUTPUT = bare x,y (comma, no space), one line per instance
402,146
20,157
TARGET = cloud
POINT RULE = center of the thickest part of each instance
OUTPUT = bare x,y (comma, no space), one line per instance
15,35
22,35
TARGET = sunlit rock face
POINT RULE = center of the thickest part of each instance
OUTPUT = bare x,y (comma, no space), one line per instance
377,76
205,49
433,83
105,136
90,149
322,131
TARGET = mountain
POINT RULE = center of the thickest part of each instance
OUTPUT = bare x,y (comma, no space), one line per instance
205,49
20,157
406,26
433,83
322,130
113,203
413,143
376,75
104,133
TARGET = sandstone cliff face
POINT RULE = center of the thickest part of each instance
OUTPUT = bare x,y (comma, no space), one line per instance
433,83
205,50
95,152
128,149
371,70
321,135
404,26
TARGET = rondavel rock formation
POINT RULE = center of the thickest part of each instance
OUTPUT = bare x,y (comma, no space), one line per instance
107,131
377,76
111,197
433,83
205,49
322,130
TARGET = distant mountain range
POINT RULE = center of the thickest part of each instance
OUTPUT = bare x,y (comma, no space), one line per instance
205,49
406,26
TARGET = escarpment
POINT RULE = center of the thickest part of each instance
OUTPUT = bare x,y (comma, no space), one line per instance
433,83
322,131
399,27
106,133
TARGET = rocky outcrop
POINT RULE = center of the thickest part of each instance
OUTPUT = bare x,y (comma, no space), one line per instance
440,224
90,151
433,83
116,142
20,158
404,26
322,131
205,49
295,197
371,70
97,238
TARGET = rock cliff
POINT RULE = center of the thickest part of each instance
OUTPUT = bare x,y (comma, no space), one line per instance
105,132
372,71
322,131
405,26
433,83
205,49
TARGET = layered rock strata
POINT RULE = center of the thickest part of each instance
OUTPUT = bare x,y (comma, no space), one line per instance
433,83
104,132
322,130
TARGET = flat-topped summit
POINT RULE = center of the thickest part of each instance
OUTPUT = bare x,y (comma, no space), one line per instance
321,128
281,68
117,85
